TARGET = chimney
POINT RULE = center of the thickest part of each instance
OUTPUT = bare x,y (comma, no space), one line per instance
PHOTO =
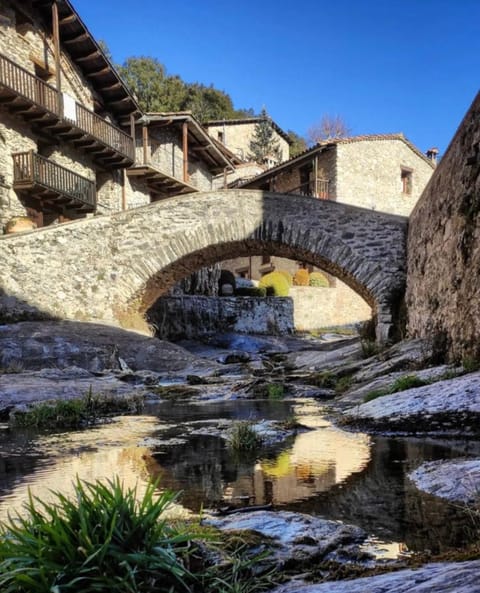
432,154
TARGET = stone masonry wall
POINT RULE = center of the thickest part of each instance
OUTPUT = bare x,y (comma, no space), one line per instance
443,294
115,267
193,316
369,175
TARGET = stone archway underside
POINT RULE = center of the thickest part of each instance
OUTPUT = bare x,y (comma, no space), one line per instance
110,268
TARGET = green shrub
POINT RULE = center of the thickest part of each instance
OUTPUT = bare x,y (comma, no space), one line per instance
108,539
244,437
318,280
325,379
374,394
302,277
287,276
470,364
277,282
104,539
251,291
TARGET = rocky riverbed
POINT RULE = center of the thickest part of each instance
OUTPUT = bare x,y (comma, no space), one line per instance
52,361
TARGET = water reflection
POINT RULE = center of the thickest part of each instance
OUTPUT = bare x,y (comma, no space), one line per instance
326,471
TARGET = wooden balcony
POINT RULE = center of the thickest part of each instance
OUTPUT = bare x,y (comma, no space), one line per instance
43,106
315,188
159,183
54,186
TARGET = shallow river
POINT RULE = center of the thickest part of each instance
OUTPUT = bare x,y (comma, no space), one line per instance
325,471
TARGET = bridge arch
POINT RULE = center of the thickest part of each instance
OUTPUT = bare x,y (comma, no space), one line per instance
114,267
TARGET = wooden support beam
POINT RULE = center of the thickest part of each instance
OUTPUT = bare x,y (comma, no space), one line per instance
185,150
71,18
81,37
92,56
56,49
110,87
145,143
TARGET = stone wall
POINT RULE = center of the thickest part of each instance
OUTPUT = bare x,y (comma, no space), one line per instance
193,316
337,306
369,175
443,294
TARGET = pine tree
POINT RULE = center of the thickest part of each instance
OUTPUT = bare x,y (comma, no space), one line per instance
263,145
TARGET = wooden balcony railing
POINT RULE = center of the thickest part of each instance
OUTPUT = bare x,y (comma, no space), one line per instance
47,180
41,103
315,188
28,86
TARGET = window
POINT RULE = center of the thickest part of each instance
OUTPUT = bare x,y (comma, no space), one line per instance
266,259
406,178
220,137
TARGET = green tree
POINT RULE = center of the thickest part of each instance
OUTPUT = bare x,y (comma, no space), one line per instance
298,144
264,144
146,78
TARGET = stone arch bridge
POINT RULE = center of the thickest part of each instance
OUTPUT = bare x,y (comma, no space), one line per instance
113,268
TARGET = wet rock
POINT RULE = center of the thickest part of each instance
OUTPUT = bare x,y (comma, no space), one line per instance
297,537
92,346
448,577
447,406
456,480
409,354
385,382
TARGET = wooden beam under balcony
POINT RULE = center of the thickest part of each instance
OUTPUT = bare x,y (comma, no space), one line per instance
160,182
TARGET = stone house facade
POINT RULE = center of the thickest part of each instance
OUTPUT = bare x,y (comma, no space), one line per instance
379,172
236,135
64,117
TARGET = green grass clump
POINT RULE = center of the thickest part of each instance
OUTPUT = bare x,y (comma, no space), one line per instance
251,291
244,437
369,348
76,413
107,539
103,539
470,364
400,384
275,391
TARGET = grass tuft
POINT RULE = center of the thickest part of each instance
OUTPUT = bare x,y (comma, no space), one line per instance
244,437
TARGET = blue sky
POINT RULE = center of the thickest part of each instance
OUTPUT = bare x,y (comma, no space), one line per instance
385,66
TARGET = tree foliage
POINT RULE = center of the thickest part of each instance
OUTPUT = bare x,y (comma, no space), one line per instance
328,128
264,144
298,143
157,91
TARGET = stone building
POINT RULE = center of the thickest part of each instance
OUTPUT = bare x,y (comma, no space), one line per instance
175,155
380,172
65,117
236,135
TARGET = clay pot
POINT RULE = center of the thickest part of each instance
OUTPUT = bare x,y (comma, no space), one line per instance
19,224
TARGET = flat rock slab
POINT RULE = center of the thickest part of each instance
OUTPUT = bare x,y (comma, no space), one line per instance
452,577
456,479
445,406
298,536
92,346
50,384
